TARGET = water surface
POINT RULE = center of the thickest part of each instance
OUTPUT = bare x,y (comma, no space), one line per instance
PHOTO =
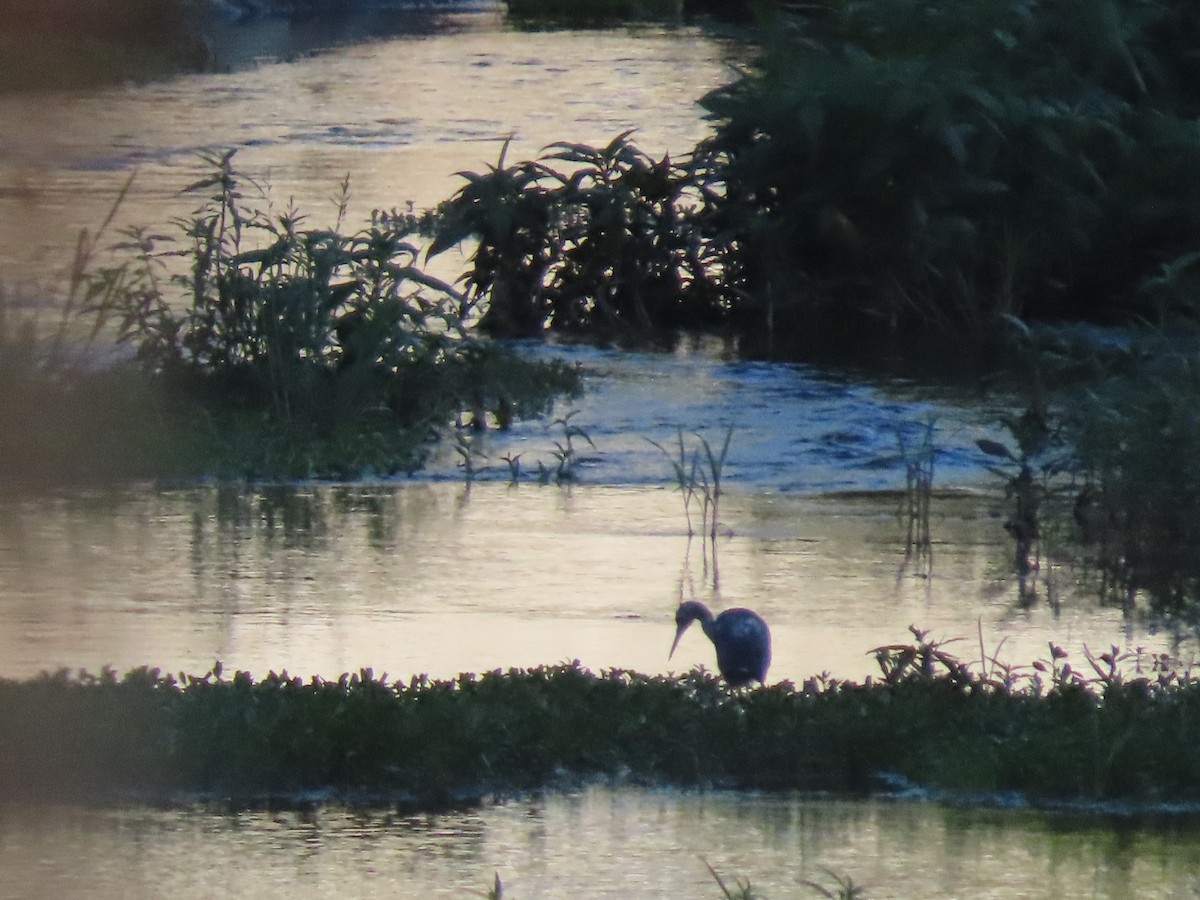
636,842
399,115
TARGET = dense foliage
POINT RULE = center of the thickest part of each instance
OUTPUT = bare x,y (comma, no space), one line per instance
897,164
585,239
1049,734
885,167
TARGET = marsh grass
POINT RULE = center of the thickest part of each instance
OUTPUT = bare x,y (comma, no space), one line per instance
1114,727
697,478
844,889
892,167
566,452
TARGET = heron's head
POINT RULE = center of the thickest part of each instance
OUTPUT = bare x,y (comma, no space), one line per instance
688,613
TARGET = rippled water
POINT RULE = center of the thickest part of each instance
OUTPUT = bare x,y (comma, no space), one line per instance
428,576
635,843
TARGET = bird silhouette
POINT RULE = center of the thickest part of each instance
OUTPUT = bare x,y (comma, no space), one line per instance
742,639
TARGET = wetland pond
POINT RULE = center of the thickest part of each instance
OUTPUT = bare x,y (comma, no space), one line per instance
428,575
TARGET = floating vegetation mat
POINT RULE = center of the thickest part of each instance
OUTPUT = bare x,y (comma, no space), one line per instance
1123,734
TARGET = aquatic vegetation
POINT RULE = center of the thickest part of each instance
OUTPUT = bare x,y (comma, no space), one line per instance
1119,727
1134,438
846,888
565,452
696,481
267,348
918,490
593,240
742,889
685,469
495,892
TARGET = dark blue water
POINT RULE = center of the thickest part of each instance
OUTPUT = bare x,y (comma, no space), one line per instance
795,428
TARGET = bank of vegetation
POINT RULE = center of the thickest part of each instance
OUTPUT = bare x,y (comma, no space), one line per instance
1115,731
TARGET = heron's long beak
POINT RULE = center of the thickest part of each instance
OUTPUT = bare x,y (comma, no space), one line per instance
678,635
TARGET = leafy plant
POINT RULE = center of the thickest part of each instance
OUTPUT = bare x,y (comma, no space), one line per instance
1120,725
566,453
602,240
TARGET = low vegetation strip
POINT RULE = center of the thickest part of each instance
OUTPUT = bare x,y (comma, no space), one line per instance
1049,735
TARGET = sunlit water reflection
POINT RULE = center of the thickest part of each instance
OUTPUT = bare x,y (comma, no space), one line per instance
431,578
400,116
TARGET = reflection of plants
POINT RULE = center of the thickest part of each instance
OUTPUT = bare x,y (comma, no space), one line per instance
685,469
1025,481
710,480
1136,438
1111,458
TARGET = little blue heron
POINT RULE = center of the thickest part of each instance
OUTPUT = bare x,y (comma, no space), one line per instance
742,639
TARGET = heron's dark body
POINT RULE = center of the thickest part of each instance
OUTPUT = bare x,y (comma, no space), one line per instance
740,636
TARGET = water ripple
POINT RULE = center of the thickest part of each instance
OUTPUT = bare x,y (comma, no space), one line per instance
795,428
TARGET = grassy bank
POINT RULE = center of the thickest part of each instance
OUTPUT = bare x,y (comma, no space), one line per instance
1050,734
